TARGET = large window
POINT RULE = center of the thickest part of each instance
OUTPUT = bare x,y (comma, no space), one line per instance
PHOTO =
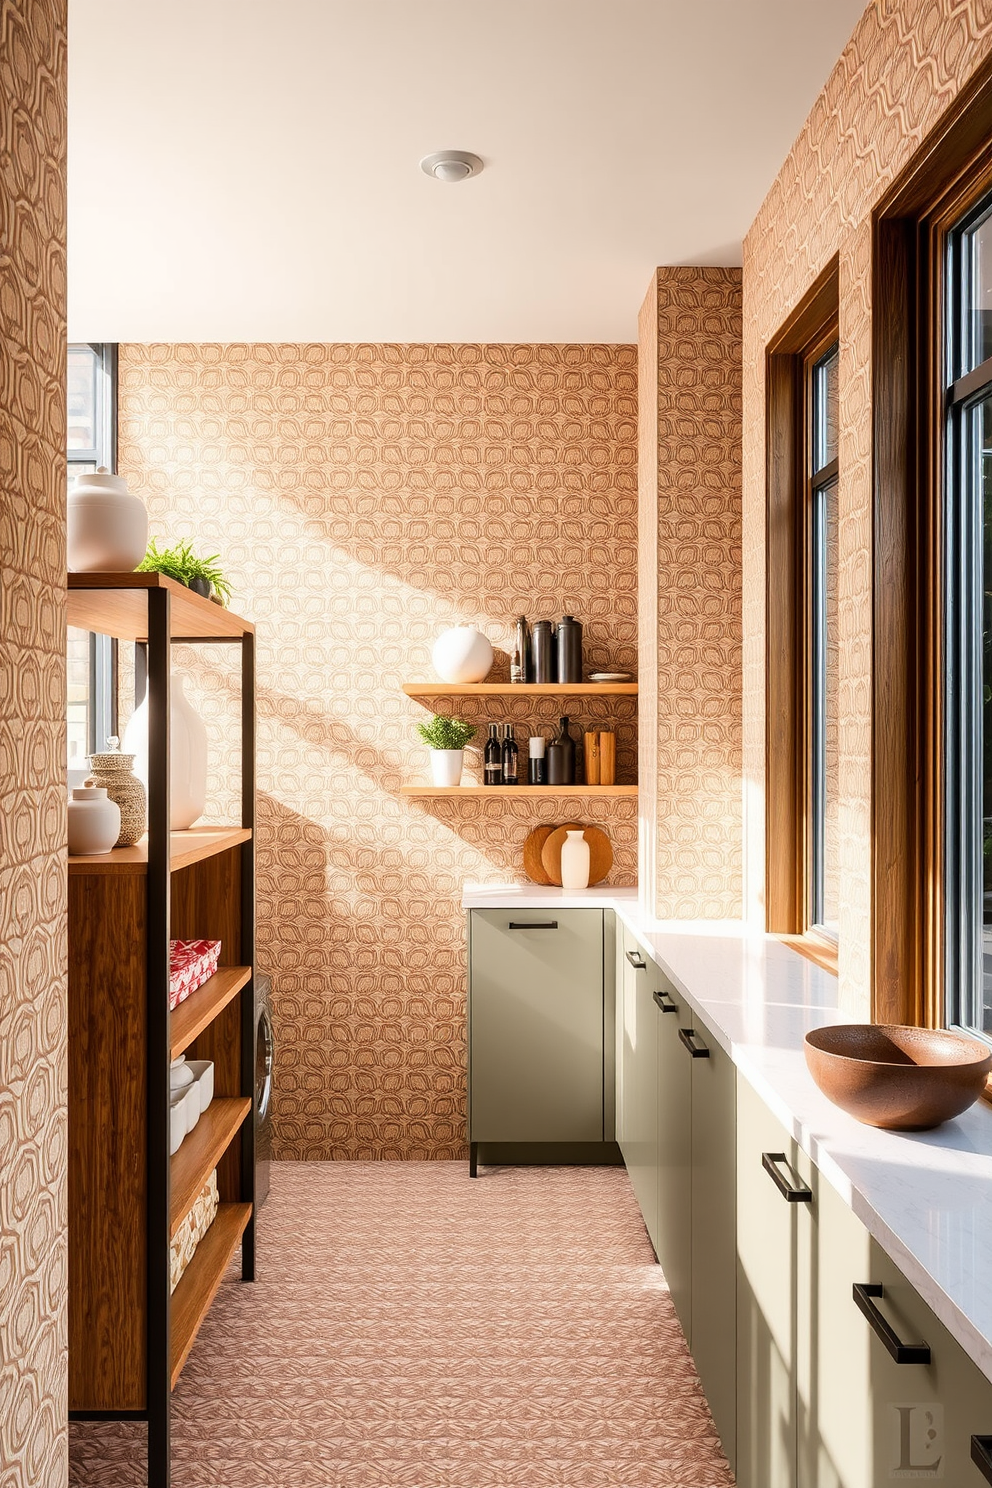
823,671
91,444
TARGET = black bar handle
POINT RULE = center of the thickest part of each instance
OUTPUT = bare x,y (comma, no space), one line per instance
981,1455
535,925
792,1193
666,1003
902,1353
688,1037
636,960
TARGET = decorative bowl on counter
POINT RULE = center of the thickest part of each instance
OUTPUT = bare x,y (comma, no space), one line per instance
899,1078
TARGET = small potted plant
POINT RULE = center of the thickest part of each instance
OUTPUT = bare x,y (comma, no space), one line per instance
446,739
202,575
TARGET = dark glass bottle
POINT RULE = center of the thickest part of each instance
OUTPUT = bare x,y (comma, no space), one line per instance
493,758
561,757
542,652
520,667
510,756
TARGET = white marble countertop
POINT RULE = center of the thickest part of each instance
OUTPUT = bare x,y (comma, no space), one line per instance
926,1197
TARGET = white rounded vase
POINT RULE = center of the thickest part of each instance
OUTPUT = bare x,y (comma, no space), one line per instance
94,821
462,654
575,861
187,755
446,766
106,527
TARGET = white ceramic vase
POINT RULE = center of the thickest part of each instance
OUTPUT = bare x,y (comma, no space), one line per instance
94,821
575,861
106,527
446,766
462,654
187,753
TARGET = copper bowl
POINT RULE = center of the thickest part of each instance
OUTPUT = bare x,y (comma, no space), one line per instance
902,1079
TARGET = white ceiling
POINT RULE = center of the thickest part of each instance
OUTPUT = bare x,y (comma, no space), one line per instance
249,169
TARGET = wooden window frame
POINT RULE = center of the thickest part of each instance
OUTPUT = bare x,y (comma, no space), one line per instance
789,358
950,171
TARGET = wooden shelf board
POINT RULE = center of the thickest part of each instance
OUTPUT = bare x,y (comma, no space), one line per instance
116,604
202,1006
519,689
192,1298
187,847
535,791
200,1153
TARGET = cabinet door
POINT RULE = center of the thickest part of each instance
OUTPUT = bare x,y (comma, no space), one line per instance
536,1026
640,1085
674,1155
714,1221
773,1236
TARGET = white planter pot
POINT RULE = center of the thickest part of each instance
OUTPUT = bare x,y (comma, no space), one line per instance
106,527
187,753
446,766
575,861
462,654
94,821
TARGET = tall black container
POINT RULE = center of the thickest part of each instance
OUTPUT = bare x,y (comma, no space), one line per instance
568,640
542,652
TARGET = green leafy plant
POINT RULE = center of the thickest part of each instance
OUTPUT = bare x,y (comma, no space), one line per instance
445,733
182,564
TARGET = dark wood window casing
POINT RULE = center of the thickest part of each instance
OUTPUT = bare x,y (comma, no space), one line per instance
790,357
949,173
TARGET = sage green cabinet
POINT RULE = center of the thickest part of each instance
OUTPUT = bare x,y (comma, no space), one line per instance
639,1080
536,1025
674,1152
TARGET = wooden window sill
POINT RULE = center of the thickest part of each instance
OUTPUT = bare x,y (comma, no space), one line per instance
814,949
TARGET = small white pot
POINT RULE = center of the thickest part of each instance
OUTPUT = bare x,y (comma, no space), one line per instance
446,766
106,527
462,654
94,821
575,861
202,1071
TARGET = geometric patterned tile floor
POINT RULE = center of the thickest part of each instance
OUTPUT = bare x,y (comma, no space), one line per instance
411,1328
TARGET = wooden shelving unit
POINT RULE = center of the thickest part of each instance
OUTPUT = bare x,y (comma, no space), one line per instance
129,1335
467,792
519,689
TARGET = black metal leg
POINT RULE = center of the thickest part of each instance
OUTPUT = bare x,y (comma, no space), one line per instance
473,1159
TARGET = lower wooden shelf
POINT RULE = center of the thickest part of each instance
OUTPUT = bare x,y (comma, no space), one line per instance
200,1153
533,791
192,1298
201,1007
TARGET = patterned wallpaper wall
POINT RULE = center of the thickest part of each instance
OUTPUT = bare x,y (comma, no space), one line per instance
904,65
690,586
32,745
363,498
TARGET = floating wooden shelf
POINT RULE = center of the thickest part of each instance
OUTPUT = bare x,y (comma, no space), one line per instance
192,1298
519,689
200,1153
116,605
533,791
187,847
202,1006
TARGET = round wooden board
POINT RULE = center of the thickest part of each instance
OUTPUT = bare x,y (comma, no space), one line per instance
600,853
533,864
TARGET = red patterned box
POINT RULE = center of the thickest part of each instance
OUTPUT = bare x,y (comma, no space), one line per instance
191,963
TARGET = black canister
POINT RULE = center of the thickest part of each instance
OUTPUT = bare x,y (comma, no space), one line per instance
561,757
569,649
542,652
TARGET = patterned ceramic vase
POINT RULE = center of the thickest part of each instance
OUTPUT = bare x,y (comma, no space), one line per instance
115,772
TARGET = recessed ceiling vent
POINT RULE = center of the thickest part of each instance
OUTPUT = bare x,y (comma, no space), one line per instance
451,165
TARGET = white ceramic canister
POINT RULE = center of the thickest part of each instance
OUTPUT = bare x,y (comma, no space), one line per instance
462,654
94,821
187,754
446,766
575,861
107,527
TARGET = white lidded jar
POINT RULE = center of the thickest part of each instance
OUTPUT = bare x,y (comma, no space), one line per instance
462,654
187,754
94,821
575,861
106,527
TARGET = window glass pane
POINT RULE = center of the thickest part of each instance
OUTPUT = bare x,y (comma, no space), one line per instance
825,411
78,688
81,399
976,277
981,425
829,907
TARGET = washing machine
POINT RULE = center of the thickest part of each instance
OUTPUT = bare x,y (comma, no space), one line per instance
264,1056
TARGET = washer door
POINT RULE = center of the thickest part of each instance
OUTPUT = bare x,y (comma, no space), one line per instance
264,1052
